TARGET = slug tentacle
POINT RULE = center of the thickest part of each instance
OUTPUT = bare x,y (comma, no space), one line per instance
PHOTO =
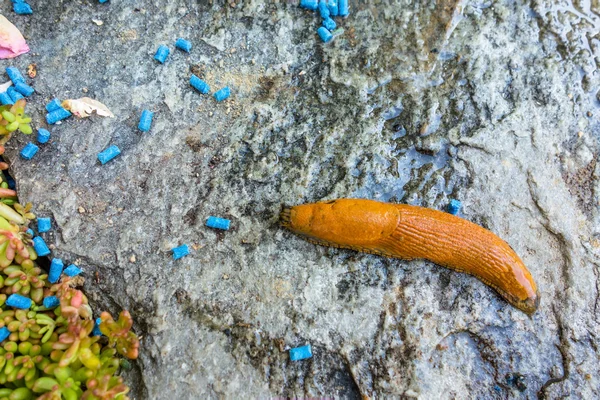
284,217
410,232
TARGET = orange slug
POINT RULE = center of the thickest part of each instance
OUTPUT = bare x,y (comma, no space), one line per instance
410,232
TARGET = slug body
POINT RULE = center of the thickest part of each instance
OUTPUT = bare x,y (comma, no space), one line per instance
410,232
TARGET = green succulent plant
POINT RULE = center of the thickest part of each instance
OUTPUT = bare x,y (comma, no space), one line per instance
50,354
13,117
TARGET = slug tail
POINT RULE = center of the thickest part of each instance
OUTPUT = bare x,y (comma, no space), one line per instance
463,247
530,305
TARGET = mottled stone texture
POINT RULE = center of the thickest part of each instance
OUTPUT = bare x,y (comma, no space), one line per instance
494,103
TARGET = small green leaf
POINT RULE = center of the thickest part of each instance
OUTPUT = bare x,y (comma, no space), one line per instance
13,126
21,393
10,117
44,384
26,129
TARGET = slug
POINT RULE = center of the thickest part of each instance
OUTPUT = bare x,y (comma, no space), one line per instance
411,232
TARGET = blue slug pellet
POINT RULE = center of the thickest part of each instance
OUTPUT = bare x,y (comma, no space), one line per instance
18,301
53,105
309,4
57,115
51,302
222,94
4,333
29,151
329,24
333,7
180,251
44,224
40,246
24,89
199,85
5,99
15,75
218,223
323,9
14,95
161,54
72,270
343,8
324,34
183,44
11,182
56,269
22,8
102,1
300,353
43,135
454,206
145,121
108,154
30,232
96,330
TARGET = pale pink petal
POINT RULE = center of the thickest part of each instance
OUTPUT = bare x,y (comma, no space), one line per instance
12,43
85,106
5,86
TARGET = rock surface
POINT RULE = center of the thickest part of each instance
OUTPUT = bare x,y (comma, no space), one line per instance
493,103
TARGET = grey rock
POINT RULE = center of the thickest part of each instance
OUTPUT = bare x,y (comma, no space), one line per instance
415,102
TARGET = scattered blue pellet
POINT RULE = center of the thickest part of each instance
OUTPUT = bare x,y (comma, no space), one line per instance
30,232
57,115
199,85
29,151
145,121
218,223
18,301
329,24
44,224
51,302
300,353
14,95
323,9
40,246
333,7
309,4
4,333
161,54
24,89
11,182
108,154
324,34
497,388
222,94
72,270
102,1
180,251
183,44
22,8
56,268
43,135
96,330
53,105
5,99
15,75
454,206
343,8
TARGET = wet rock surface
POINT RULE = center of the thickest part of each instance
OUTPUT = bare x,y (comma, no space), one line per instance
492,103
